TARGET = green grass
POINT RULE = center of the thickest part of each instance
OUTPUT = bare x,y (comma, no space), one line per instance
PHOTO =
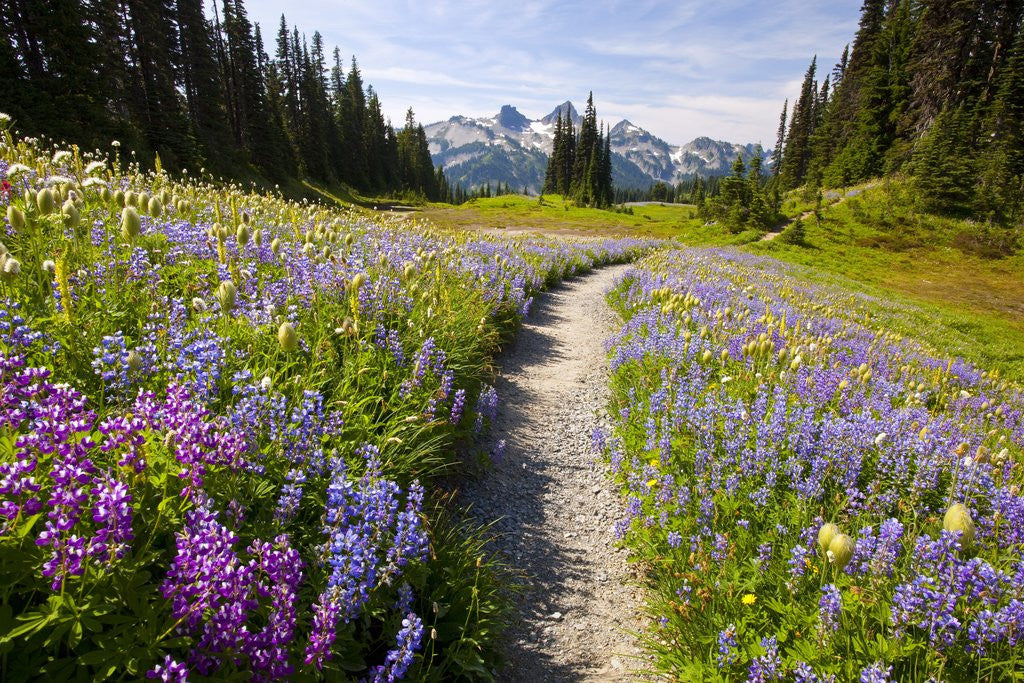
878,242
556,215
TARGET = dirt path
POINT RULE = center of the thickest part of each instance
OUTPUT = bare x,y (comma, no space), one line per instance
834,201
549,491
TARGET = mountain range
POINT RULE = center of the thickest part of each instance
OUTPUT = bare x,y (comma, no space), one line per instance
512,149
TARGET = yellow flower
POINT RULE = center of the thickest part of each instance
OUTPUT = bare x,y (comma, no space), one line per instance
749,599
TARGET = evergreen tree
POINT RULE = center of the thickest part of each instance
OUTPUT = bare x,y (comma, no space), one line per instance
780,141
154,100
201,84
796,156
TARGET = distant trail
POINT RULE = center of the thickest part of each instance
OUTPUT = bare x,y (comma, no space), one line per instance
555,505
769,236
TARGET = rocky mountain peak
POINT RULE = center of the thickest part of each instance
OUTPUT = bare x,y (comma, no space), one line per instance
510,119
563,109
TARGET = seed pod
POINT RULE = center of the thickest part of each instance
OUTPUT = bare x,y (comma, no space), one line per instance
349,239
826,533
410,270
725,355
242,235
142,201
134,360
105,194
11,268
45,201
841,547
71,215
119,198
287,337
706,356
958,518
275,246
227,294
156,207
130,198
358,281
257,237
16,218
131,225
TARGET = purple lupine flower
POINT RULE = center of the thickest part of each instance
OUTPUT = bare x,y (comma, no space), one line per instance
457,406
727,654
112,513
766,667
876,673
169,671
830,608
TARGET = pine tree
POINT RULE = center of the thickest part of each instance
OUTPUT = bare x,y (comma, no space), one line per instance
154,98
554,162
780,141
797,152
201,84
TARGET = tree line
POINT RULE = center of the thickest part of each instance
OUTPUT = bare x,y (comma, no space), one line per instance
164,78
930,88
580,164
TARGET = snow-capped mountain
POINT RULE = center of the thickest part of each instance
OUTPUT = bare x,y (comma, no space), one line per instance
512,149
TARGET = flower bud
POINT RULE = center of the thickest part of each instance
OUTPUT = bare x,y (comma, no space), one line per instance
134,360
227,293
287,337
826,533
358,281
71,215
841,547
131,225
156,207
257,237
706,356
275,246
958,518
242,235
16,218
10,268
45,201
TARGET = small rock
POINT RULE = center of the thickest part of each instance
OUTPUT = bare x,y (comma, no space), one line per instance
557,616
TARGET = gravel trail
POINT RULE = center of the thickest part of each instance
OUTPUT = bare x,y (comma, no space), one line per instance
578,598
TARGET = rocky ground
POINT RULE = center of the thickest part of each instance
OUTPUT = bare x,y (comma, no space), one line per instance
579,600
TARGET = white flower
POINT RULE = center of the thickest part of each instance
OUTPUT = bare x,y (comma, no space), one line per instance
95,166
61,157
266,382
5,120
49,266
17,169
880,439
115,143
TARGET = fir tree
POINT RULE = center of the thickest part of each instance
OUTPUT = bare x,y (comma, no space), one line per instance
780,141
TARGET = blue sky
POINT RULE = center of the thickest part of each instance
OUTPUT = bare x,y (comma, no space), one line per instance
679,69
